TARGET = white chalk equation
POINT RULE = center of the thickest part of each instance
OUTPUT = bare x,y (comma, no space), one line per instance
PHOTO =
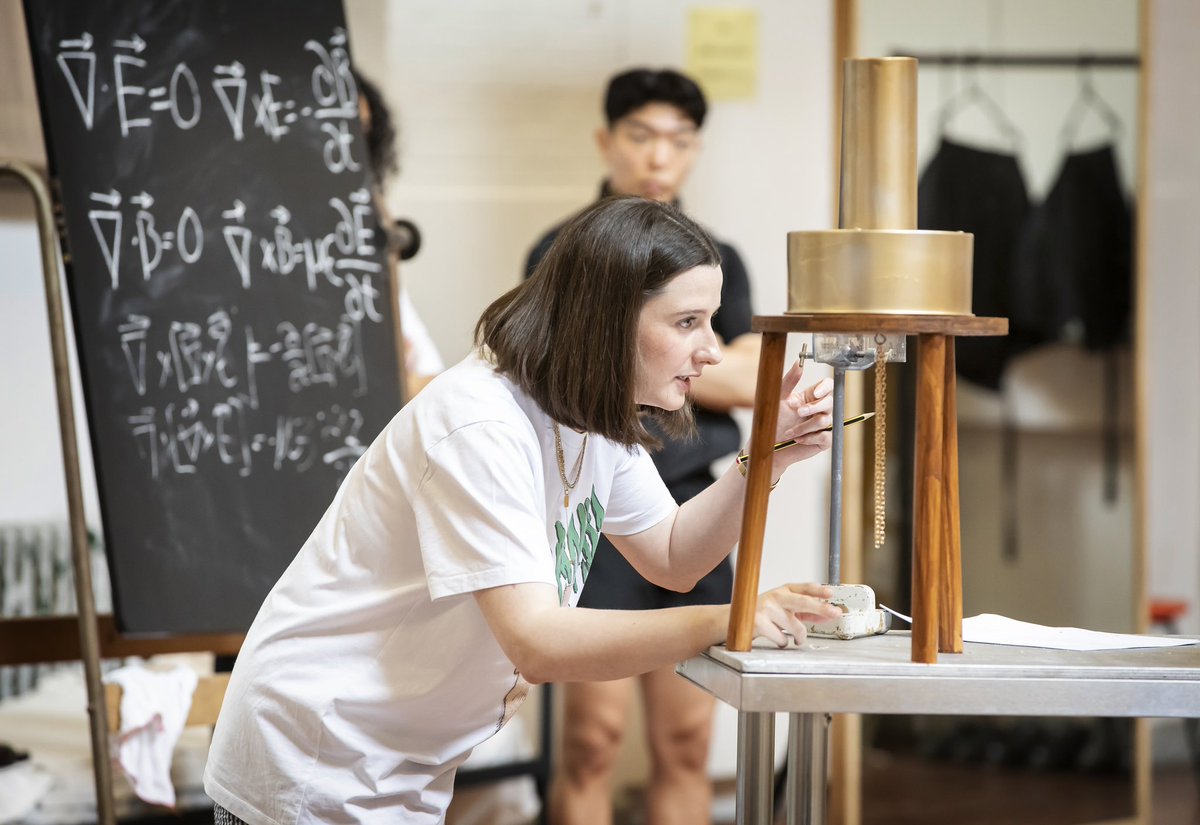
217,357
121,75
341,258
183,355
226,264
179,437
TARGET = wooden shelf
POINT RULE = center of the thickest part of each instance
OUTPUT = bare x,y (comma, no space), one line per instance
56,639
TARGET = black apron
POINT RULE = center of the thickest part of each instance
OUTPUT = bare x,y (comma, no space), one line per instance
1073,279
981,192
1074,268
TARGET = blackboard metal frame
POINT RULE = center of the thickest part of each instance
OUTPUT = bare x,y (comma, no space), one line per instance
87,636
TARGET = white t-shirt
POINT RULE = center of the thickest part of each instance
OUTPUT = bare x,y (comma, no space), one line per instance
370,673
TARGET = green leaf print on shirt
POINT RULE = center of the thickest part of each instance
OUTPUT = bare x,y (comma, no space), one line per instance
576,546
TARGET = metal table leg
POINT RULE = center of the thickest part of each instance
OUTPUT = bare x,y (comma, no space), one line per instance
755,767
808,755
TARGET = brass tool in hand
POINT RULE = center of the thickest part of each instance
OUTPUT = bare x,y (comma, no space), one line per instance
744,458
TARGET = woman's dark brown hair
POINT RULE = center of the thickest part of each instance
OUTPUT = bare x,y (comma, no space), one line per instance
568,335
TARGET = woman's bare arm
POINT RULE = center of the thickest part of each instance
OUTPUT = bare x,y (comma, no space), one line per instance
549,643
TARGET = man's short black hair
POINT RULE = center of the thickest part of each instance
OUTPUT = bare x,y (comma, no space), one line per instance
635,88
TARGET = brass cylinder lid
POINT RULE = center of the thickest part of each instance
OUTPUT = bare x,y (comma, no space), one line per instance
878,261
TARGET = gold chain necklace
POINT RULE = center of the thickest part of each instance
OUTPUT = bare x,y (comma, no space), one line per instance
568,485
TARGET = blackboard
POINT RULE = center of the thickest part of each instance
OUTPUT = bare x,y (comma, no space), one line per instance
233,314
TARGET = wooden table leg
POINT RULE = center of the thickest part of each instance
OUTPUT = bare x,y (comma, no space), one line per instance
928,503
950,607
758,489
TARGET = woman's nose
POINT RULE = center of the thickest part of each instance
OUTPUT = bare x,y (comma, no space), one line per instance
710,353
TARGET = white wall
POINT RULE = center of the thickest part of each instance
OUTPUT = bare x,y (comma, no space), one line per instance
31,486
31,470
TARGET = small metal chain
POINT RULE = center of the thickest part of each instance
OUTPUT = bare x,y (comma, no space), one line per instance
568,484
880,442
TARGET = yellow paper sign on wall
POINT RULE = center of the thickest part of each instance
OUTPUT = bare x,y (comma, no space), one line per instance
722,51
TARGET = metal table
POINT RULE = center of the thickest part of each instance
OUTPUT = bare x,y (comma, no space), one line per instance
875,675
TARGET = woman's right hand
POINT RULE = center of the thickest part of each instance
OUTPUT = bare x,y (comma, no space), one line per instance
783,611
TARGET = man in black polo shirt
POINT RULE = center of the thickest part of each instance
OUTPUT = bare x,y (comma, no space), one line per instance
650,141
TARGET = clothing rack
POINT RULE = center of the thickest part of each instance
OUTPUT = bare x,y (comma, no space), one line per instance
1029,60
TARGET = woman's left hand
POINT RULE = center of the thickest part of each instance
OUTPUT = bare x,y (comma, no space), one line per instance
803,415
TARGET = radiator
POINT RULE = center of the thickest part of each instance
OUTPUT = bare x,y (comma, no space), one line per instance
36,579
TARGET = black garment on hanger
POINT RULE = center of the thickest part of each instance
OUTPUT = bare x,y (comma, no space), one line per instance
1074,276
1074,272
982,192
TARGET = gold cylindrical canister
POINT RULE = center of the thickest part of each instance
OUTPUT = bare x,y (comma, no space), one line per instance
878,187
877,261
911,272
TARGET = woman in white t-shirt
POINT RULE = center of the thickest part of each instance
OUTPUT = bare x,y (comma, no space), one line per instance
440,582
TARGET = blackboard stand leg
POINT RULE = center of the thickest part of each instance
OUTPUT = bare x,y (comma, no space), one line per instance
89,638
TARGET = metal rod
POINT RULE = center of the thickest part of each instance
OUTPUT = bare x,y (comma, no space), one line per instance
89,635
1032,60
835,487
755,767
794,792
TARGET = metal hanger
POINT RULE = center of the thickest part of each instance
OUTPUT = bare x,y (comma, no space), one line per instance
1088,99
974,94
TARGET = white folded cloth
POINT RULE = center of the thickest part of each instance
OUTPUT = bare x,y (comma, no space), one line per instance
154,707
22,786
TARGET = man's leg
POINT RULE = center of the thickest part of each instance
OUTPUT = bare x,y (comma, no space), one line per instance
679,721
593,727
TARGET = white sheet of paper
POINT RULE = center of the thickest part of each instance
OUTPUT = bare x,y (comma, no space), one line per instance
1001,630
989,628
